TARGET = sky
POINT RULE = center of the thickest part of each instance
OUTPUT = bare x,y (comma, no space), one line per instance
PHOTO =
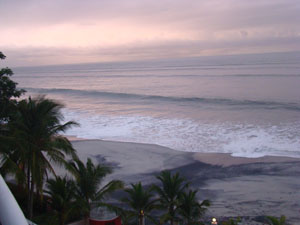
35,32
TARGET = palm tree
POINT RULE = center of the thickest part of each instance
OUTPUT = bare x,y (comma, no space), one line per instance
35,134
170,193
274,221
88,179
61,191
190,209
140,201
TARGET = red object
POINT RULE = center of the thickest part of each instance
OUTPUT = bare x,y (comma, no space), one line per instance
115,221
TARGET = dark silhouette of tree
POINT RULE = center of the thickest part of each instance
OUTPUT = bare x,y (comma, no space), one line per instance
88,179
173,186
61,192
2,56
36,142
140,202
8,92
190,209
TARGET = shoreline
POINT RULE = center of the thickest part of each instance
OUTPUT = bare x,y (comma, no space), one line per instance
213,158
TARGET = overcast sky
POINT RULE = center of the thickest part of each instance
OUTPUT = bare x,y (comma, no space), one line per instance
36,32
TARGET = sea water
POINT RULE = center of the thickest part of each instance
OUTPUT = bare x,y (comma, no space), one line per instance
247,105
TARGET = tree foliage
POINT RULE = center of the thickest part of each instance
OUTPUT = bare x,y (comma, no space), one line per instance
88,180
2,56
8,92
61,192
272,220
190,210
140,201
35,141
170,192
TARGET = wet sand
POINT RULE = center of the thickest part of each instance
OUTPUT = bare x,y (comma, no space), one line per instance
236,186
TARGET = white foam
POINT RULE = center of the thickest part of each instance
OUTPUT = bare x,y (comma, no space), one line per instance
245,140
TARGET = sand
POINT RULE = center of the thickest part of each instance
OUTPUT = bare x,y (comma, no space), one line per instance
236,186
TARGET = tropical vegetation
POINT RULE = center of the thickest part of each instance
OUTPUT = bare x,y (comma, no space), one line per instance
62,197
8,93
170,193
140,203
272,220
190,210
36,143
88,178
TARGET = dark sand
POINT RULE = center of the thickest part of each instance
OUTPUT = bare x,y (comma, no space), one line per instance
236,186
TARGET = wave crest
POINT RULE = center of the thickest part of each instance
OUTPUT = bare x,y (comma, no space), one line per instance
193,100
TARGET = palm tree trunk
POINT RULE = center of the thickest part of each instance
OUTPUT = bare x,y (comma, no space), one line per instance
28,178
141,219
31,199
62,218
171,211
88,214
28,188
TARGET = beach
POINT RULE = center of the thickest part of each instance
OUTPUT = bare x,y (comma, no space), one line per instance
236,186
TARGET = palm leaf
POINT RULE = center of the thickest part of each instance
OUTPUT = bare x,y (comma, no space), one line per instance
108,189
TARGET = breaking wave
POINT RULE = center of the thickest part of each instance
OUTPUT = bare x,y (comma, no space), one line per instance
193,100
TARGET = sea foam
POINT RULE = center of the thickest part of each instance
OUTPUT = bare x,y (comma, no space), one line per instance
246,140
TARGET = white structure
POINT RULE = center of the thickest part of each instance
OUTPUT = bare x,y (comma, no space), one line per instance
10,212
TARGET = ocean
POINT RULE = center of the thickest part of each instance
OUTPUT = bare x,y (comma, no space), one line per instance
246,105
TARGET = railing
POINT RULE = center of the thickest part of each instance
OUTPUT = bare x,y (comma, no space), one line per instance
10,212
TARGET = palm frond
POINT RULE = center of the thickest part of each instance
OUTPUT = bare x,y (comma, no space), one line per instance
108,189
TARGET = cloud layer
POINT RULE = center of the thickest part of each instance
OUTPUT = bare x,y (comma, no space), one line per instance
72,31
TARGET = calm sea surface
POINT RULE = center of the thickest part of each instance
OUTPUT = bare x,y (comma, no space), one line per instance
247,105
